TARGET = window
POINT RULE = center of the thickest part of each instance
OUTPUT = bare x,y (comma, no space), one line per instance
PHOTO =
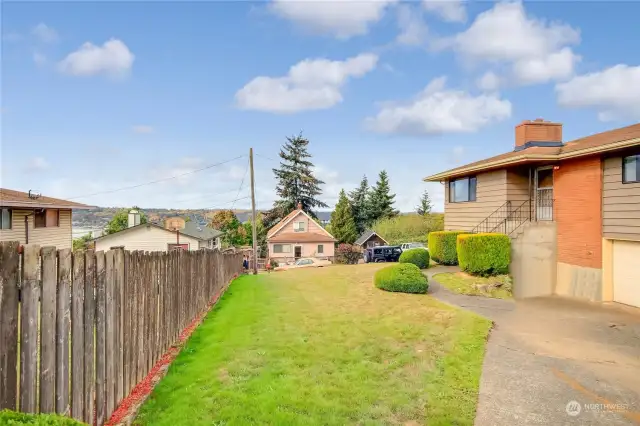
282,248
631,169
320,249
46,218
299,227
462,190
5,219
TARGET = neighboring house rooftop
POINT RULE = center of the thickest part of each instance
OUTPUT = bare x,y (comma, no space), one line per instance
196,230
545,150
366,235
203,237
11,198
301,237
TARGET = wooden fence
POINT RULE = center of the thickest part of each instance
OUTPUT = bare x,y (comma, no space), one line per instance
79,330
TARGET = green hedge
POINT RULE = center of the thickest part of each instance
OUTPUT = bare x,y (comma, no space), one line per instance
401,277
484,254
417,256
442,247
12,418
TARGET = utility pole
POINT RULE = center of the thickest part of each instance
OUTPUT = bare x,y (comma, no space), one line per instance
253,214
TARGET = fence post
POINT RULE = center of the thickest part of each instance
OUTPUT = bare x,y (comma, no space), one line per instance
77,337
101,302
29,329
89,323
9,268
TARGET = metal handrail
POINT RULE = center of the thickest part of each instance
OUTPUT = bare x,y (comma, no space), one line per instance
491,221
505,219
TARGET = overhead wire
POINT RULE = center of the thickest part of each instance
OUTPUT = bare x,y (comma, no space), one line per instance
241,183
157,180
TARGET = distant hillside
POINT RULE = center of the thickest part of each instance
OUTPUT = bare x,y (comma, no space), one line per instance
100,216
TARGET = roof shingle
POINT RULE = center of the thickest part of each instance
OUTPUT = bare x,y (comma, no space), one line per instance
9,197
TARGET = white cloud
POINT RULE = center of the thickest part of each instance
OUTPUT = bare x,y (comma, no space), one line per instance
556,66
614,91
37,164
39,59
457,154
309,85
142,128
45,33
112,58
339,18
413,30
536,49
333,183
438,110
448,10
488,82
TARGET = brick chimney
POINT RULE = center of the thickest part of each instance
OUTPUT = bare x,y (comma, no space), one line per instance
538,132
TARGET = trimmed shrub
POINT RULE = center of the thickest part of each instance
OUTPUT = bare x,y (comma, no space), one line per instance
347,254
442,247
401,277
417,256
13,418
484,254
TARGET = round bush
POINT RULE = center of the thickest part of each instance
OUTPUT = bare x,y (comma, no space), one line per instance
417,256
484,254
401,277
442,247
12,418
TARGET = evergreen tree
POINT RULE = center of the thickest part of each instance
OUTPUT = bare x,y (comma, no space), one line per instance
342,224
296,182
358,200
380,200
424,208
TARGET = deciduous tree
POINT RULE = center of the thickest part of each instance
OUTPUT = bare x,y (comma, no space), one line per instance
120,221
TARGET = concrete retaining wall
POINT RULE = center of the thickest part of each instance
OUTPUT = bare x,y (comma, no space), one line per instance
534,260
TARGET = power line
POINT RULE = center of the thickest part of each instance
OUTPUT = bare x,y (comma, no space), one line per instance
264,156
158,180
241,183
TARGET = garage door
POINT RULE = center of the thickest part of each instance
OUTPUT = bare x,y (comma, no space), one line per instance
626,272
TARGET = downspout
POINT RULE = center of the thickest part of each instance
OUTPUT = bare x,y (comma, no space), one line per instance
530,206
26,227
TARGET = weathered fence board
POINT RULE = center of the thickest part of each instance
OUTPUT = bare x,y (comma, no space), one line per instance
79,330
48,330
63,329
10,263
101,317
30,295
77,337
89,324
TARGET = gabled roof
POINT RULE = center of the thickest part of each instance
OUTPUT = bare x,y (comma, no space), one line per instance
11,198
196,230
273,237
366,235
149,224
602,142
301,237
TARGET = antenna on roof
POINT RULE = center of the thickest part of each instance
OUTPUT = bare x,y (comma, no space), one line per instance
34,195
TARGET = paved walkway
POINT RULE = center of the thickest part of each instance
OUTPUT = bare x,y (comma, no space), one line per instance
544,353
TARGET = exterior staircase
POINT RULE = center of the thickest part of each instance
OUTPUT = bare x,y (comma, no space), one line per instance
507,219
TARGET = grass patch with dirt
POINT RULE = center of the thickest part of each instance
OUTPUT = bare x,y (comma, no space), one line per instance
324,347
498,287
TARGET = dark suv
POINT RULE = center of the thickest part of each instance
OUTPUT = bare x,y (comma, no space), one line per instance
382,254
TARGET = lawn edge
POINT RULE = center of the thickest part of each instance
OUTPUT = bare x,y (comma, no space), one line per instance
485,296
128,409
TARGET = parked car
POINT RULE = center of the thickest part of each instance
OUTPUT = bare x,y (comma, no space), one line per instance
408,246
309,262
382,254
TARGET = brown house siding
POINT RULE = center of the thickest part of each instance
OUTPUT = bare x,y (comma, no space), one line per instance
491,193
578,212
374,239
620,203
59,236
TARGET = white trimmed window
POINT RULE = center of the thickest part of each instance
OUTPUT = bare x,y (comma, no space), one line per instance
299,226
320,249
282,248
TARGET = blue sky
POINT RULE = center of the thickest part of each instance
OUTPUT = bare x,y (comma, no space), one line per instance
98,96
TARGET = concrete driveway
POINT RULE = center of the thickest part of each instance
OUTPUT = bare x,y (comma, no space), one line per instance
545,353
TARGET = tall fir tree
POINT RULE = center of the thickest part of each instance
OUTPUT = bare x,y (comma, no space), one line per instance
380,200
296,182
424,208
343,227
358,200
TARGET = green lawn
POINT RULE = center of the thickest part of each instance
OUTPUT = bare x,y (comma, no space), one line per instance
324,347
497,287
